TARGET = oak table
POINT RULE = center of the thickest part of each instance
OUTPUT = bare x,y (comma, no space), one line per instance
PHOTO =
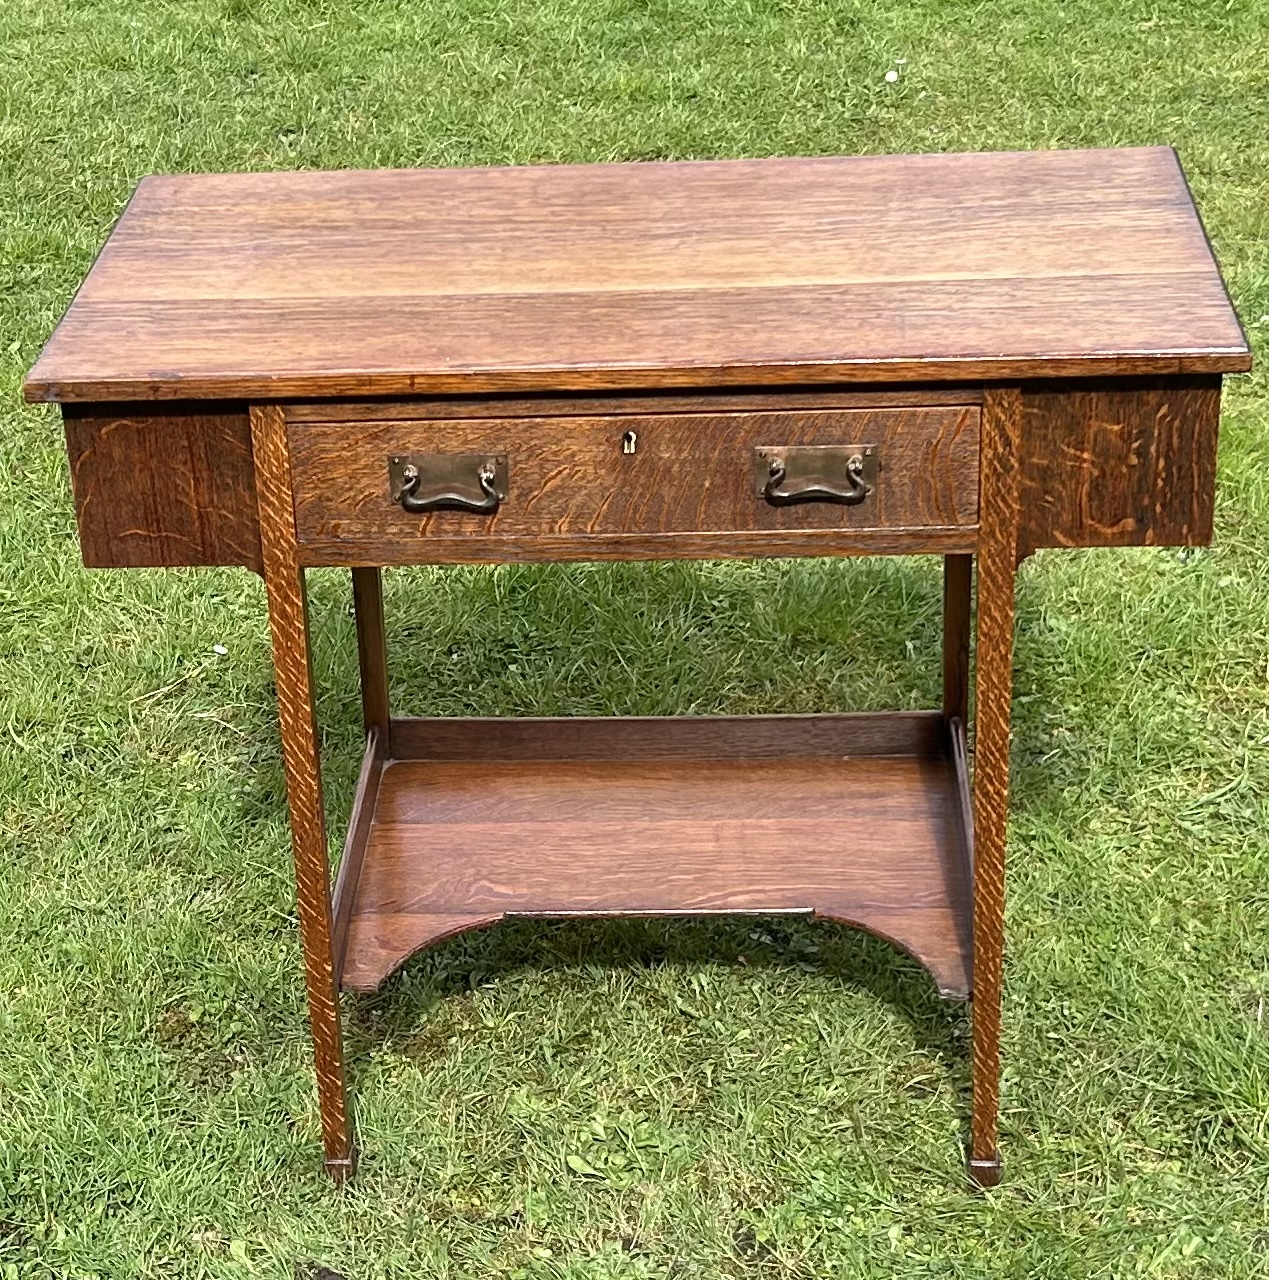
971,355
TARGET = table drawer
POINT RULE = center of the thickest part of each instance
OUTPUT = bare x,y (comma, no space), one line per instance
654,474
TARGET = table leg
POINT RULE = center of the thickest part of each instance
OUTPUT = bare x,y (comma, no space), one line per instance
372,652
997,560
958,581
288,623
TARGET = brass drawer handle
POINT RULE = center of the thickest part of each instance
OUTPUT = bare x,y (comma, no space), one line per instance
844,474
474,482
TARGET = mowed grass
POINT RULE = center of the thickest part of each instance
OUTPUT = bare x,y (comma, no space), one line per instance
637,1099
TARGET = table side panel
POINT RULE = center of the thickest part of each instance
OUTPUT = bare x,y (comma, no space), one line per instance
1104,465
163,486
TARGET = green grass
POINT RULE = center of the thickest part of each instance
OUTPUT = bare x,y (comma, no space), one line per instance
639,1099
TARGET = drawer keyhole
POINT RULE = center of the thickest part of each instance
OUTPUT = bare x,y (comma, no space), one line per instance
629,441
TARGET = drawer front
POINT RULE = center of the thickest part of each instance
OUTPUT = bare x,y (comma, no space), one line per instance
597,478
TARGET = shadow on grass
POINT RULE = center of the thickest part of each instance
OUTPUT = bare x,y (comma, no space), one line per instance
400,1011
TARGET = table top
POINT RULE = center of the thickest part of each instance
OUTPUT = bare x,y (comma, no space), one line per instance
594,277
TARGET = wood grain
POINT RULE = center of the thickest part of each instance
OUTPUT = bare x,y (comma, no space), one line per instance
1002,421
689,474
1114,464
172,487
580,827
288,625
750,272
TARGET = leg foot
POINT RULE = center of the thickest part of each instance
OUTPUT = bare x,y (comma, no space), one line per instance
985,1173
341,1171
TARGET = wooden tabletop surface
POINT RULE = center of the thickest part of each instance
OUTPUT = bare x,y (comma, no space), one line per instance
747,272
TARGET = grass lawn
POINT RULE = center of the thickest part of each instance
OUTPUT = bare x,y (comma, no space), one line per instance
637,1099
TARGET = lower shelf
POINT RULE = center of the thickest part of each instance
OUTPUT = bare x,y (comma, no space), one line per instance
862,819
